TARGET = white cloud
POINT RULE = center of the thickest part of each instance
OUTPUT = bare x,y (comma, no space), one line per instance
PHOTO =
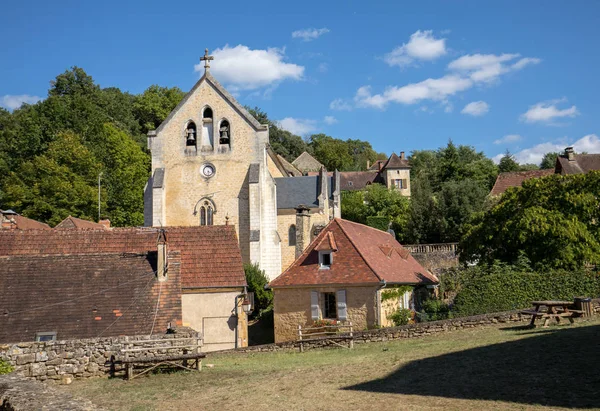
323,67
476,108
533,155
244,69
421,46
13,102
431,89
547,111
340,105
298,126
486,68
510,138
330,120
309,34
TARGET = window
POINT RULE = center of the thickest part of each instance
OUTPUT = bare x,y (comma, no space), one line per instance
292,235
325,259
190,135
400,183
329,306
224,133
206,213
45,336
207,114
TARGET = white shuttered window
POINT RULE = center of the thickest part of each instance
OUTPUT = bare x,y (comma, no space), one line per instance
314,305
342,312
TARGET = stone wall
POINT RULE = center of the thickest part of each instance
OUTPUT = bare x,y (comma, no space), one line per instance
405,331
62,361
19,393
434,257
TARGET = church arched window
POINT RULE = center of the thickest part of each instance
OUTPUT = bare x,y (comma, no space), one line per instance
292,235
191,135
225,133
206,213
207,128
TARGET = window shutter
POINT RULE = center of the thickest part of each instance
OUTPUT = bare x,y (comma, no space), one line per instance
341,305
314,305
405,183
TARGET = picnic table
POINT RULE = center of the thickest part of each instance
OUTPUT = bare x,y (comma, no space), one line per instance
552,309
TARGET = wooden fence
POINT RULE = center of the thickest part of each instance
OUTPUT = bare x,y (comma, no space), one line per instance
331,333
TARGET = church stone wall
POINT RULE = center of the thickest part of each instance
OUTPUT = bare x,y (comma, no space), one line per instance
270,251
184,184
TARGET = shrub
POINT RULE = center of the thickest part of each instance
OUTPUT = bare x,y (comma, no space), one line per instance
379,222
257,280
434,309
501,287
401,316
5,367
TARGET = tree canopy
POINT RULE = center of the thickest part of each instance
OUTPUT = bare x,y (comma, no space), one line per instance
553,221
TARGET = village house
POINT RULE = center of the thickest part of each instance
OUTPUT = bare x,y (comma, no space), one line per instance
13,221
84,280
345,275
566,163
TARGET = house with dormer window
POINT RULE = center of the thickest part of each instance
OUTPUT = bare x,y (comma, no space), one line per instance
342,275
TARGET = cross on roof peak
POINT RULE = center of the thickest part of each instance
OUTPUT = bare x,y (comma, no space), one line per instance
206,58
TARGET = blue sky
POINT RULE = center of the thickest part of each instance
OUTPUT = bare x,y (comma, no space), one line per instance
517,75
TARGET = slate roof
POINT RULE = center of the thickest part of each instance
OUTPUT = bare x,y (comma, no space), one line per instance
289,167
358,180
305,190
98,295
396,162
364,255
305,163
210,255
73,223
581,164
515,179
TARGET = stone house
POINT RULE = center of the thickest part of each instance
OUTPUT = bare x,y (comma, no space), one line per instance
212,165
10,220
344,275
70,282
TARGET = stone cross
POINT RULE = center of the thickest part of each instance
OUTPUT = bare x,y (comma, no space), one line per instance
206,58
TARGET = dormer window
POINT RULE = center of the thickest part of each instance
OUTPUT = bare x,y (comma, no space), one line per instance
325,259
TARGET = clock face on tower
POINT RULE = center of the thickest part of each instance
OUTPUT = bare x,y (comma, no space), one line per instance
207,170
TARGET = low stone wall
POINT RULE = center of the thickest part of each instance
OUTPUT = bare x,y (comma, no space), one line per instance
62,361
405,331
18,393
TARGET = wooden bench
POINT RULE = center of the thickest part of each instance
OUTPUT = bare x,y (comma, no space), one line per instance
147,355
552,310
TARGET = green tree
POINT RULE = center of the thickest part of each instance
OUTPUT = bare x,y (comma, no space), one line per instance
549,161
331,152
154,105
507,163
553,221
257,280
459,201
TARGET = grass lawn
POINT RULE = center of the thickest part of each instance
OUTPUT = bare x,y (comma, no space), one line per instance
491,368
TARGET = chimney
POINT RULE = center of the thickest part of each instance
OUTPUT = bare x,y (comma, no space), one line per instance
379,164
302,229
570,153
402,155
161,261
105,223
368,164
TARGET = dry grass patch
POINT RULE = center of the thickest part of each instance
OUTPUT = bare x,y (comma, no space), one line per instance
491,368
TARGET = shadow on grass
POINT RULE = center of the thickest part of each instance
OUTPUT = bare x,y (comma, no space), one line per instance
559,368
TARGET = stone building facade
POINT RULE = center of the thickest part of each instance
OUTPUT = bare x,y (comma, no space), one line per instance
212,165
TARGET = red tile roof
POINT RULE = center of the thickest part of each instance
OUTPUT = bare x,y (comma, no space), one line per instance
86,297
210,255
515,179
396,162
11,220
74,223
364,255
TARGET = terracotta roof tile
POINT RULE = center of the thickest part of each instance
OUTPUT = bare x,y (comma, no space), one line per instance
363,256
515,179
210,255
74,223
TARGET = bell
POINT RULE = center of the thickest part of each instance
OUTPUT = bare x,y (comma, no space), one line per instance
190,135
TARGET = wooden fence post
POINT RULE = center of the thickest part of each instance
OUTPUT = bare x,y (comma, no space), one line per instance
300,338
351,337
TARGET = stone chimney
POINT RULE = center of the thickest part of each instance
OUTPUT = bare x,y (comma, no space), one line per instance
7,219
105,223
302,229
570,153
368,164
162,267
323,190
402,155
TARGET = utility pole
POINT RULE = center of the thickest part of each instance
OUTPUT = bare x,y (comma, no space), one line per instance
99,195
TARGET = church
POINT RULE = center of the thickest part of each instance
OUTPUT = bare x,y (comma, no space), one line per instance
212,165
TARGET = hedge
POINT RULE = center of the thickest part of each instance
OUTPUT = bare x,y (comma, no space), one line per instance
502,287
378,222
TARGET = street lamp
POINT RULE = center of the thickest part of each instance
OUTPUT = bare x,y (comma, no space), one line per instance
246,307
